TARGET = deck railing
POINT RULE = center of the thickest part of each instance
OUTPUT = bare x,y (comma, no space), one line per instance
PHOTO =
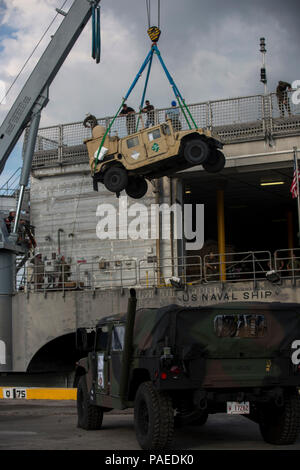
234,119
251,266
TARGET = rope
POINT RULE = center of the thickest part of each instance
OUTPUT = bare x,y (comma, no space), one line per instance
35,48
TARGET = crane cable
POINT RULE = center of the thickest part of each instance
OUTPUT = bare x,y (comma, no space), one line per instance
35,48
158,14
148,7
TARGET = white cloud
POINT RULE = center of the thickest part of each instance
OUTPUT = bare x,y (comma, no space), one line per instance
213,55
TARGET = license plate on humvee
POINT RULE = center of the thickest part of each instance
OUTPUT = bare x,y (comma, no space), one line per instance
236,408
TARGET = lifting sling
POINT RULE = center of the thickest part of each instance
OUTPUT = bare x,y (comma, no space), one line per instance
154,34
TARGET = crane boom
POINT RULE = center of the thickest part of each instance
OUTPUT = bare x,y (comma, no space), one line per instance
27,109
42,76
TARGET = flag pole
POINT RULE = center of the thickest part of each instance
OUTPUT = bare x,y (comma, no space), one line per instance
298,196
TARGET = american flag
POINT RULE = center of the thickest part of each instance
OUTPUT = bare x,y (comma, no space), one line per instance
293,189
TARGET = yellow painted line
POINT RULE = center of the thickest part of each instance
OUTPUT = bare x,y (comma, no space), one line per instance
45,393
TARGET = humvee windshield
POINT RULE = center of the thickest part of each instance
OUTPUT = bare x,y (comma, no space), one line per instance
118,334
101,340
154,135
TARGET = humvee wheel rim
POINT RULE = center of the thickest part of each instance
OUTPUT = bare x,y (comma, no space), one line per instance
196,151
115,179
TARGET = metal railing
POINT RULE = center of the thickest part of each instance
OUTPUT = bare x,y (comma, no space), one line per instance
237,267
287,263
153,274
249,266
234,119
107,274
41,278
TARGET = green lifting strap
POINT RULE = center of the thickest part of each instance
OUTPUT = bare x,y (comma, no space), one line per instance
175,88
189,112
106,133
145,89
139,74
183,112
184,108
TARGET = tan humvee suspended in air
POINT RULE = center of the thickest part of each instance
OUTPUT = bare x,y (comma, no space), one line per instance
160,150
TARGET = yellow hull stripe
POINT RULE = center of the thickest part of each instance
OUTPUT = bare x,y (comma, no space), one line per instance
38,393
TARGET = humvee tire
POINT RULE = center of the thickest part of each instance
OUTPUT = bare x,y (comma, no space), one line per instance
281,425
215,162
115,179
196,151
137,187
89,416
153,418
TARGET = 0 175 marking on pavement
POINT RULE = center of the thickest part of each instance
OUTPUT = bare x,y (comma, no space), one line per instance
13,393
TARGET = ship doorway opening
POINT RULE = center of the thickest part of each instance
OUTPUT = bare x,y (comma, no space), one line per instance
57,356
257,217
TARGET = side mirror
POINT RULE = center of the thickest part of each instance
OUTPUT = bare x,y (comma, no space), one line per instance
85,339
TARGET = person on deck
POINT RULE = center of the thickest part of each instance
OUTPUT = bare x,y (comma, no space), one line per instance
149,109
38,271
130,118
173,114
212,267
282,97
64,271
9,221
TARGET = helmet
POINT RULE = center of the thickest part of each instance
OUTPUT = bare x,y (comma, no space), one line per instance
174,103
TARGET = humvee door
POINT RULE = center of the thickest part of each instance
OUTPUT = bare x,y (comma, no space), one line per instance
155,142
115,359
133,150
101,361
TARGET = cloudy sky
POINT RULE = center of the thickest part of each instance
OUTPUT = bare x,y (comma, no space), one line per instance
211,47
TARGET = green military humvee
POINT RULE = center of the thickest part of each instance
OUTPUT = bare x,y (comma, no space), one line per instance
157,151
176,365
